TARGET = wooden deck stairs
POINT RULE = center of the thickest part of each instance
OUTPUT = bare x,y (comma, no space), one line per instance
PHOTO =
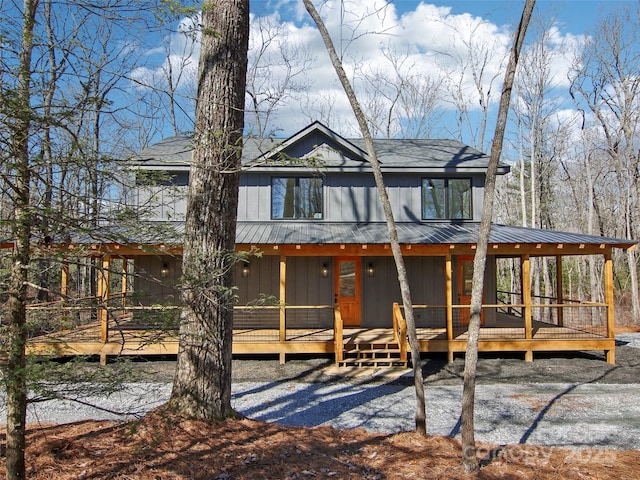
372,354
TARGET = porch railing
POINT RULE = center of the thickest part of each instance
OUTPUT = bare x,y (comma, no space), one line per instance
400,331
49,317
578,315
579,320
304,323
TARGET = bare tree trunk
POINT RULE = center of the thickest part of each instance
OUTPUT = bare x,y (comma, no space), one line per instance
523,196
202,385
469,458
15,370
420,419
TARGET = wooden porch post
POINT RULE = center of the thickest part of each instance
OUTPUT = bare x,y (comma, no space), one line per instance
449,299
124,280
608,287
283,312
526,297
559,290
64,279
103,293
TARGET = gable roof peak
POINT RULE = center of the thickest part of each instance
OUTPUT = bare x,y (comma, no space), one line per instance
319,128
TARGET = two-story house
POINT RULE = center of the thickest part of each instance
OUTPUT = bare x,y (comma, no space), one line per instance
325,280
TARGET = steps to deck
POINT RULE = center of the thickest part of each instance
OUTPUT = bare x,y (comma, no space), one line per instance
367,354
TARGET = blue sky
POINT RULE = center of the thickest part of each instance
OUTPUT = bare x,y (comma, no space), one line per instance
431,41
577,16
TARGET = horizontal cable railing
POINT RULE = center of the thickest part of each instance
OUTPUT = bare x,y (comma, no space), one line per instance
549,321
50,317
250,323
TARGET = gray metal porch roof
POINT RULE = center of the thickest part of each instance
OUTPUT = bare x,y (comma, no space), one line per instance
284,233
327,233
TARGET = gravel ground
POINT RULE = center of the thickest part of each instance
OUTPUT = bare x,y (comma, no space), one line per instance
572,401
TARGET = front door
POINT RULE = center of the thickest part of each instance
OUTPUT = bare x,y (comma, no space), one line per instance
465,283
347,288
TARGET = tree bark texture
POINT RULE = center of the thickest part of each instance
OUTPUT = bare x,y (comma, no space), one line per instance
420,418
467,431
202,385
15,369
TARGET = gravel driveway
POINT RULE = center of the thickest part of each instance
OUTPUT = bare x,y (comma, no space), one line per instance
572,401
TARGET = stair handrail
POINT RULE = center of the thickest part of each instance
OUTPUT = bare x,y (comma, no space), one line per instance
338,342
400,331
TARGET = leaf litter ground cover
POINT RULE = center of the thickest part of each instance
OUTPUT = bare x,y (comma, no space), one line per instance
164,446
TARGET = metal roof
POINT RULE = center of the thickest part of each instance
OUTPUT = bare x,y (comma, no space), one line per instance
325,233
333,150
284,233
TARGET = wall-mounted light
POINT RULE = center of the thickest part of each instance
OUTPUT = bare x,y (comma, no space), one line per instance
370,270
245,270
324,271
164,271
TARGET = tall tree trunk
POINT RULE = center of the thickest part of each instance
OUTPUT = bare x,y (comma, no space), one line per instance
202,385
523,190
420,418
15,370
469,458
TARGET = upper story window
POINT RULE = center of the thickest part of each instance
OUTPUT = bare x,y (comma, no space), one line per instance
295,198
446,199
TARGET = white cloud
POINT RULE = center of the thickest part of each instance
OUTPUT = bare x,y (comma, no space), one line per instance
178,53
437,44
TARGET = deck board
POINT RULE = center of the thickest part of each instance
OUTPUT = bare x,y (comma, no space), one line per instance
136,341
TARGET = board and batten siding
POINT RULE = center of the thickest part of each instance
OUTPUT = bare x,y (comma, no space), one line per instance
428,287
349,197
148,286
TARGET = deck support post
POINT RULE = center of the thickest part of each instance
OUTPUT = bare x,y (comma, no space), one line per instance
608,288
64,279
283,312
124,283
338,336
559,290
448,268
103,293
526,294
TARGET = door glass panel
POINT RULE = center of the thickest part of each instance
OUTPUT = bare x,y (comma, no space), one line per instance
467,278
347,279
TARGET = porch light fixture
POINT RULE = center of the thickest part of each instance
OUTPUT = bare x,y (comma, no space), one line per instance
370,270
245,270
164,271
324,271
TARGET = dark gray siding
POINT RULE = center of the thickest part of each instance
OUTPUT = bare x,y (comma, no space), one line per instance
254,200
148,286
305,284
349,197
263,280
427,280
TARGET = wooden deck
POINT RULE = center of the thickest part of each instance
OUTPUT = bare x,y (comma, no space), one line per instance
85,340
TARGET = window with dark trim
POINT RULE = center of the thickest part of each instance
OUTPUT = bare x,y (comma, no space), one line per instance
446,199
296,198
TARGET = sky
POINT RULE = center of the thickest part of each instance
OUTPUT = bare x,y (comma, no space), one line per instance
428,40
